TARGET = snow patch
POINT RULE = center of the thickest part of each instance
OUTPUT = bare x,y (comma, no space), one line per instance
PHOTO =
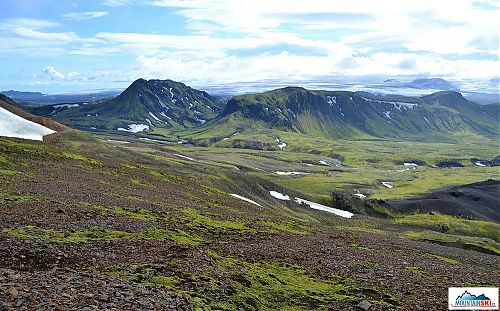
324,208
412,166
290,173
118,141
149,139
332,100
426,120
477,163
400,106
153,116
162,104
388,184
67,106
281,144
200,120
360,195
183,156
279,196
388,114
172,96
12,125
164,115
245,199
134,128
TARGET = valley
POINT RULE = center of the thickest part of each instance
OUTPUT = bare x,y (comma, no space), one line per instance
159,224
286,200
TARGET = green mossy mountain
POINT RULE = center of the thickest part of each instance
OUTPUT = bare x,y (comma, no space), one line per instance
165,106
156,103
342,114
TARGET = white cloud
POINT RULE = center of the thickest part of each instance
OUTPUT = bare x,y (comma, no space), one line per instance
52,73
85,15
73,74
251,40
29,23
115,3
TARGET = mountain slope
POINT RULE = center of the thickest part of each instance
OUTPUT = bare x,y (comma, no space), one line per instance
341,114
13,125
143,105
476,201
9,105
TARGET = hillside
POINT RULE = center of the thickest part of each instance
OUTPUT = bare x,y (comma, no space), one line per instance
16,122
137,227
341,114
143,105
9,105
475,201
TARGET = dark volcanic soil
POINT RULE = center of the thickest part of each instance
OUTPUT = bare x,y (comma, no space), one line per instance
475,201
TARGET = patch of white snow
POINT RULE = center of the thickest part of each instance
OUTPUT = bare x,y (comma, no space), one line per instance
279,196
12,125
183,156
245,199
388,184
134,128
324,208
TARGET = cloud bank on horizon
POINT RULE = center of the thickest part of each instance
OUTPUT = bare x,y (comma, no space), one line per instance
75,44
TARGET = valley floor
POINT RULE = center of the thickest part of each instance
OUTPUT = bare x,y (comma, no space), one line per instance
95,225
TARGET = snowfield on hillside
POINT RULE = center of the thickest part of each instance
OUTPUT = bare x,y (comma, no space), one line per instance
244,199
134,128
12,125
324,208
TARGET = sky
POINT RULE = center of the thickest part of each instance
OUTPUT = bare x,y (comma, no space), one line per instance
69,45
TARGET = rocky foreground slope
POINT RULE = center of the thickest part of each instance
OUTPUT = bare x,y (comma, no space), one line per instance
87,225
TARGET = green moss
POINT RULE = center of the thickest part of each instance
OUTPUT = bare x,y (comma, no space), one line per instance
481,244
450,224
96,234
193,218
446,259
128,165
418,271
79,157
14,197
278,286
237,284
167,281
286,227
137,182
9,172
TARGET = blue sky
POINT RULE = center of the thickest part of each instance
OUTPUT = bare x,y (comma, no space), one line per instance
67,45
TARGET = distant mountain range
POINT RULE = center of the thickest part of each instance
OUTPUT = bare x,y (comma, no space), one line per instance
339,114
37,98
165,104
143,105
433,84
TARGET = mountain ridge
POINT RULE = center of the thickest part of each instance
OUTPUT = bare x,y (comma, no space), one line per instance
167,106
151,103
